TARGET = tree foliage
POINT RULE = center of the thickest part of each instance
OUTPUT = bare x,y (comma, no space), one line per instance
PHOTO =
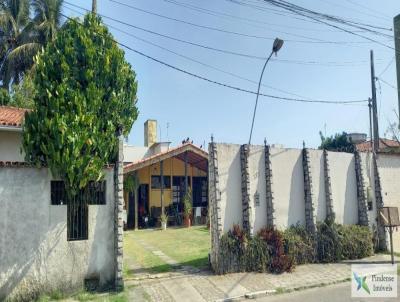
337,142
85,92
21,95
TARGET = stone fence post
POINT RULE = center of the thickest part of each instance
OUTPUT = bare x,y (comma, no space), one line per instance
308,197
118,223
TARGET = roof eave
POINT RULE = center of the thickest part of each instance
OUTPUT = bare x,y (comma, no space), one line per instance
11,128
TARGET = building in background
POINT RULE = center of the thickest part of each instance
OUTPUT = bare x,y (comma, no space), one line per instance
11,134
180,169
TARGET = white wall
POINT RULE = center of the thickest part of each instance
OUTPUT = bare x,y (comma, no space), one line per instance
10,146
389,172
134,153
230,185
288,187
34,251
257,186
344,187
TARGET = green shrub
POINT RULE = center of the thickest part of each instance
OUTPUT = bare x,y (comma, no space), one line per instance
232,251
299,245
280,262
342,242
257,257
356,241
328,242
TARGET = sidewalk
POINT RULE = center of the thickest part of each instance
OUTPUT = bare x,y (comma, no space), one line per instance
204,286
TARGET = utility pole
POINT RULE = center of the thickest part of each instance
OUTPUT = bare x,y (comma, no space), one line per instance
94,6
374,105
370,122
396,28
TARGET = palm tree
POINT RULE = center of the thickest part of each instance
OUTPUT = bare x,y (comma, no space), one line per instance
24,37
18,40
47,17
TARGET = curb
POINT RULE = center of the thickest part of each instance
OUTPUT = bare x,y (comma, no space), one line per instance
253,295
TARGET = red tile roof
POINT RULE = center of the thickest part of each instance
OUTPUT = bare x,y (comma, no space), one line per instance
384,143
196,157
12,116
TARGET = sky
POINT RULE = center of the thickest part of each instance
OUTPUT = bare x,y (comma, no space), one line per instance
185,106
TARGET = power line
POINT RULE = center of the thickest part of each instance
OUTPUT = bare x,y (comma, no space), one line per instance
354,10
192,24
225,51
300,10
388,65
367,8
359,25
387,83
235,17
312,40
274,97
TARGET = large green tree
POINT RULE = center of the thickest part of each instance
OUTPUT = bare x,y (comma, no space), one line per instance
85,92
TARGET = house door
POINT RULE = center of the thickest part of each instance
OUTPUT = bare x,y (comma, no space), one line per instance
143,206
131,211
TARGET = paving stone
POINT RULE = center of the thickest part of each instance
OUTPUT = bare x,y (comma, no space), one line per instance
183,290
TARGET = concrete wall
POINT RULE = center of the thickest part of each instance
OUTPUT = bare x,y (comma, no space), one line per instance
10,146
34,251
318,183
287,187
257,187
230,185
344,187
389,172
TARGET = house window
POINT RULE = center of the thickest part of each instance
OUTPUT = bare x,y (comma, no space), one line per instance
156,181
77,208
77,224
94,193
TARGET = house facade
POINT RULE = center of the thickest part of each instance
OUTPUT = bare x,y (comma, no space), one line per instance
48,243
11,134
165,175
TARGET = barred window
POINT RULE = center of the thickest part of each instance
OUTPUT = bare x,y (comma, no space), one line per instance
77,224
77,207
94,193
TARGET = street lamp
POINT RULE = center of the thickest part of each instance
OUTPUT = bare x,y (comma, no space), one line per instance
278,43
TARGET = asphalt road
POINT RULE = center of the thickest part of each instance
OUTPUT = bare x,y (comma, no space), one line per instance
333,293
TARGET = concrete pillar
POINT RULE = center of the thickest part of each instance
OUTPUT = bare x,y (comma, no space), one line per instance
361,196
246,205
330,213
186,174
118,222
268,182
214,198
162,186
381,233
308,198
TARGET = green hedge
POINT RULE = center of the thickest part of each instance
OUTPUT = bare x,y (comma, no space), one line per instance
276,252
299,245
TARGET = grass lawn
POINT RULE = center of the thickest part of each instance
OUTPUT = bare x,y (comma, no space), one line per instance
188,246
85,296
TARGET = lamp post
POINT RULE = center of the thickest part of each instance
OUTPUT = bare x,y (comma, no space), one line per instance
278,43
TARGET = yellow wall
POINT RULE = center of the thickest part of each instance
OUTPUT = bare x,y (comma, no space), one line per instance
172,167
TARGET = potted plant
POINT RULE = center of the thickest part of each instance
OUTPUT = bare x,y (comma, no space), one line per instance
187,208
164,220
